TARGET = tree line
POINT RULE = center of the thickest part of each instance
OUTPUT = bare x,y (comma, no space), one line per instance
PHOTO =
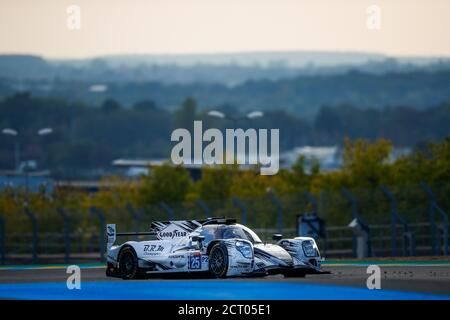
87,139
366,167
299,94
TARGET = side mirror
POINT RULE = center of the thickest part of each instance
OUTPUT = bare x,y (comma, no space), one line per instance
198,238
277,236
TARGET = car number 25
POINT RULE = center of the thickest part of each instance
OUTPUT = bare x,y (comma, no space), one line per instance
195,262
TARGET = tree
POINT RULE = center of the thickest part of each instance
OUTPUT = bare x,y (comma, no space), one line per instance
185,116
165,183
110,105
365,163
145,106
216,183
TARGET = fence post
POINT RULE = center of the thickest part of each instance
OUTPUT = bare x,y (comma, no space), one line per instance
34,230
430,195
312,200
168,210
101,217
408,236
237,202
279,207
202,204
322,232
354,205
347,194
394,213
137,217
362,242
66,229
2,241
433,208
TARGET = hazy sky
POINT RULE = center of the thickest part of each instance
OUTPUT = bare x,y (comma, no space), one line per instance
408,27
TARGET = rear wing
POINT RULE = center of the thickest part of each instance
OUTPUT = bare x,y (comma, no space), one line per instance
191,225
113,234
167,229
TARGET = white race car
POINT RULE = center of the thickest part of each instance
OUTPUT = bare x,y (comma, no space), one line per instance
216,246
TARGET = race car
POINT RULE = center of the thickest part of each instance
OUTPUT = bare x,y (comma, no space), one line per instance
218,247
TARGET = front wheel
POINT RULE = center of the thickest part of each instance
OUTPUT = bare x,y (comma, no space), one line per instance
128,263
218,261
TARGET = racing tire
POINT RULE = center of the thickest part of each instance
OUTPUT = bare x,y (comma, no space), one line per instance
110,270
218,261
128,264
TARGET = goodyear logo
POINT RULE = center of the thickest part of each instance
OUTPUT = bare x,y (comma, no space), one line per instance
171,232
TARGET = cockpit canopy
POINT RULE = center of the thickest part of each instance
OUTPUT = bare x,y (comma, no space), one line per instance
235,231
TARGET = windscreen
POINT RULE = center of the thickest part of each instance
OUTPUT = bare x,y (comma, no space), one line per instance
213,232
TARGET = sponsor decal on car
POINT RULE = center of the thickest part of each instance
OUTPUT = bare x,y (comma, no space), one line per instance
172,232
178,260
241,266
176,256
195,262
153,249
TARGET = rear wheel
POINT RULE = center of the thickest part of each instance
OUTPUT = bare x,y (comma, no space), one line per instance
110,270
218,261
128,263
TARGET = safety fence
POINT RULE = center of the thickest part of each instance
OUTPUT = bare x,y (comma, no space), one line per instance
379,222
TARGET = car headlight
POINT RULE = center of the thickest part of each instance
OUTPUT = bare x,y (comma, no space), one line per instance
309,248
245,249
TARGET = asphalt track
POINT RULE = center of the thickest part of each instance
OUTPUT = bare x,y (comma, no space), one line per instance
409,281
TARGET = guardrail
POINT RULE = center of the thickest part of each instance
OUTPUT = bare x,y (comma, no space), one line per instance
69,239
86,245
339,239
440,243
2,241
407,235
